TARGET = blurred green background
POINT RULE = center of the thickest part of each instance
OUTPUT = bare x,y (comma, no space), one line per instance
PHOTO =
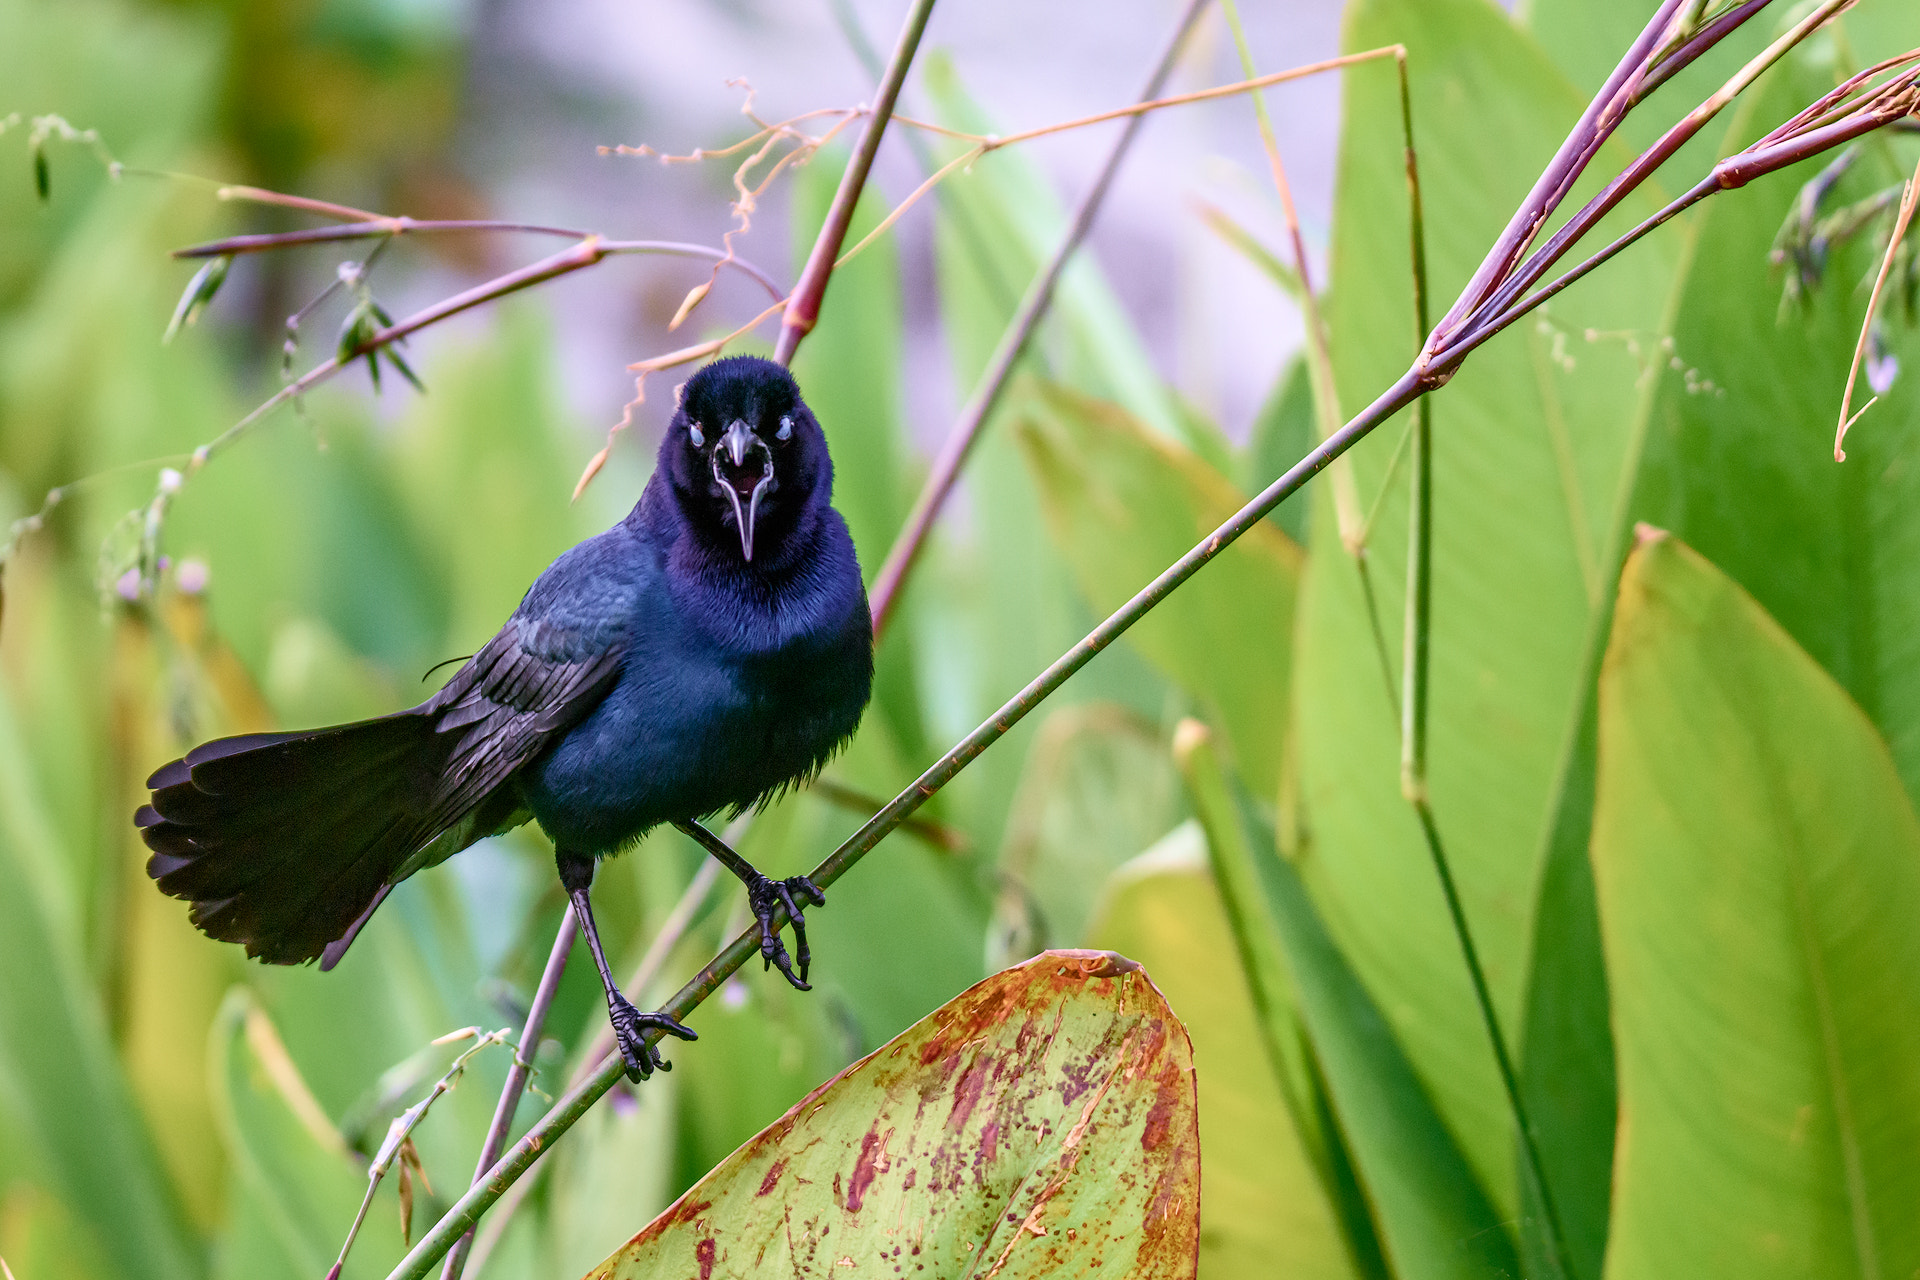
1689,855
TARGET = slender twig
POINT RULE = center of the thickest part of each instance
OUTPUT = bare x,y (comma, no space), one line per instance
804,309
1000,366
1900,225
395,1147
1326,395
234,245
1415,669
518,1073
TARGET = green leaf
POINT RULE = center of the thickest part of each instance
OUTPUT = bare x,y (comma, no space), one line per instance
1123,503
61,1083
1041,1124
1528,458
1431,1216
1265,1210
198,295
1758,865
1733,456
293,1177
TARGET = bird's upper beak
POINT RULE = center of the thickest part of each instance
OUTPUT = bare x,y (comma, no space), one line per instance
743,465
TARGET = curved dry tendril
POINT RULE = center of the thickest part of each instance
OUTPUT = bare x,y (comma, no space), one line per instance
764,143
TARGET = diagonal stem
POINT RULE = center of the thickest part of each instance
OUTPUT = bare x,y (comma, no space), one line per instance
1013,343
804,309
517,1075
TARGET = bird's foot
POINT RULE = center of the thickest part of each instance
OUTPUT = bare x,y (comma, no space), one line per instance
763,895
629,1029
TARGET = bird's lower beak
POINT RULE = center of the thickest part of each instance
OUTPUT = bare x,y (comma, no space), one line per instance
744,515
730,456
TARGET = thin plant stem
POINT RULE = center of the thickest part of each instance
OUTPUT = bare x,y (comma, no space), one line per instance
803,311
235,245
1900,225
1414,666
1326,397
394,1147
671,931
1013,343
518,1074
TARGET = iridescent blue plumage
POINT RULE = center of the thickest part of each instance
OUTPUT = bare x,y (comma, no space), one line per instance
707,651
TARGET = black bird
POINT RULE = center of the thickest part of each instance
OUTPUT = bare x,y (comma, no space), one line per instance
710,650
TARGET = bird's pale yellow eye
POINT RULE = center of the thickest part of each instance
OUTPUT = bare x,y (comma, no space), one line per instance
695,434
786,430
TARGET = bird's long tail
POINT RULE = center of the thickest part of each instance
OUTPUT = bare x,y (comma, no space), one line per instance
286,842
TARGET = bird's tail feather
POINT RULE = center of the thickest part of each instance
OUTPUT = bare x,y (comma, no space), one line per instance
286,842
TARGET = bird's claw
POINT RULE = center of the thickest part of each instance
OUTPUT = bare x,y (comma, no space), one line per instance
629,1030
763,895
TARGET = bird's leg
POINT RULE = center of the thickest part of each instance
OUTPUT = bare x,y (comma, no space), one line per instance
763,895
629,1024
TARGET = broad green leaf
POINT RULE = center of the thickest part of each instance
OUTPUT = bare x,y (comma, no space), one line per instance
1730,450
1429,1214
1265,1210
1124,503
1758,865
1097,788
1528,456
1040,1124
61,1083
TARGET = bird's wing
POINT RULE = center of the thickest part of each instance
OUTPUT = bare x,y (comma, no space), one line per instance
531,683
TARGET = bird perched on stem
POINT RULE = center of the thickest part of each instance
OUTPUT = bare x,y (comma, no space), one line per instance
709,650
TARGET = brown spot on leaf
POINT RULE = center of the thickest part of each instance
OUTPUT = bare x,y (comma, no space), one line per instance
871,1162
773,1176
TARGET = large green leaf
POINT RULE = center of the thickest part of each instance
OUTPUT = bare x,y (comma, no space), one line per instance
1041,1124
1527,458
61,1084
1124,503
1730,450
1419,1209
1265,1210
1758,865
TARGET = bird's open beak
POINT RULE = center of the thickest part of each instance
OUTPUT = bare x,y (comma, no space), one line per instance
744,483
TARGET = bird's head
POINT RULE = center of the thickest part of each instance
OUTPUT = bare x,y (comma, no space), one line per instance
744,454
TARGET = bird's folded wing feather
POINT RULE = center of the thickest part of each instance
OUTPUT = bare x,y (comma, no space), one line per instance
528,686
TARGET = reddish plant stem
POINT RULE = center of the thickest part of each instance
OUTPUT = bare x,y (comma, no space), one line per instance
803,311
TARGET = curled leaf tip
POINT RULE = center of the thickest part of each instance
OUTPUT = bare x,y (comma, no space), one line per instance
598,461
695,296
